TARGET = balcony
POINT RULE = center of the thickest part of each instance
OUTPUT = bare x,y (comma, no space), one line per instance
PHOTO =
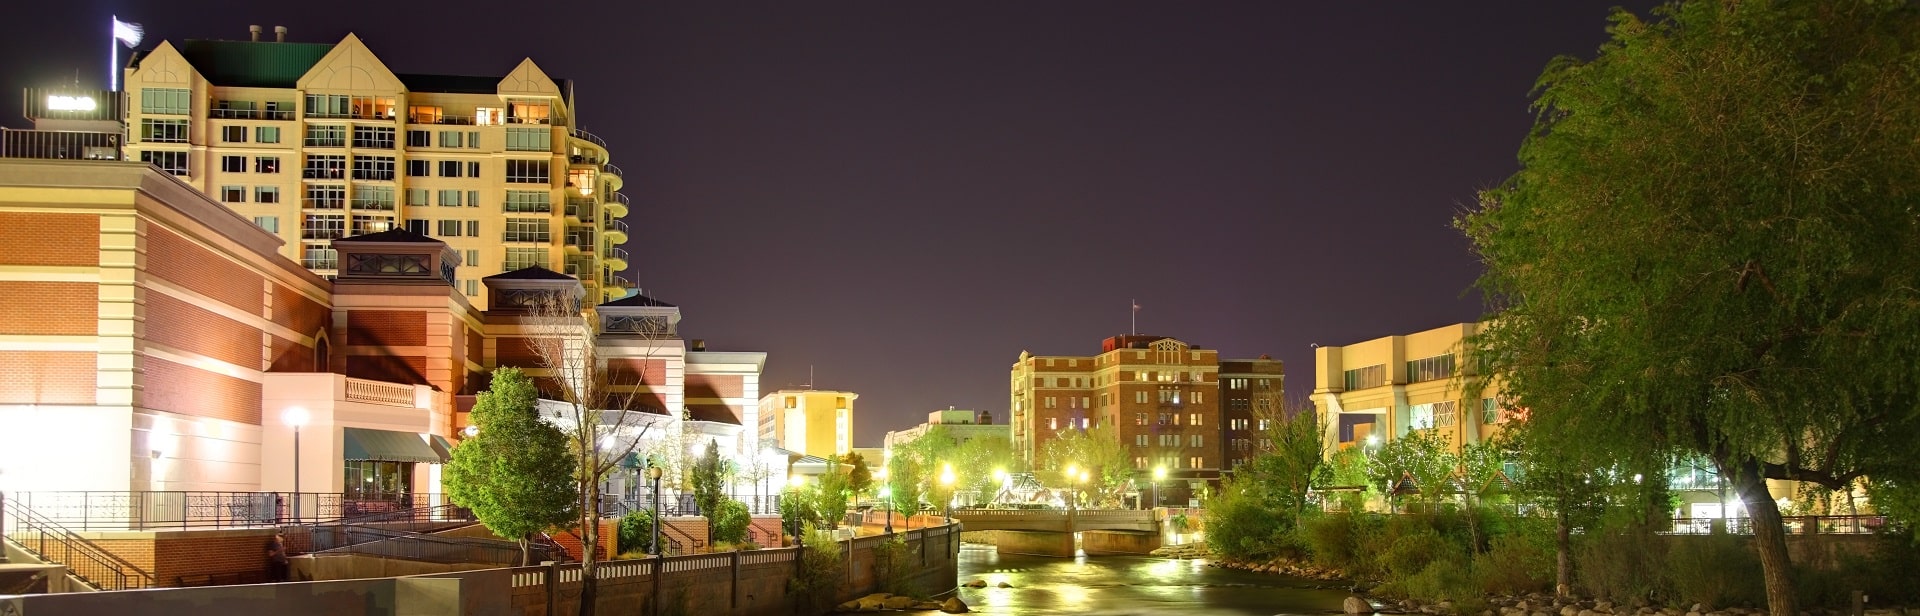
589,138
384,205
249,114
616,231
616,258
582,210
617,206
59,145
338,173
618,281
613,169
537,237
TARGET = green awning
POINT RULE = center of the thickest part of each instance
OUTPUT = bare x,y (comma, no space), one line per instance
386,446
441,447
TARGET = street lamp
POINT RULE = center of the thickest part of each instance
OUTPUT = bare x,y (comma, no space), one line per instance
1082,481
1159,474
1000,478
946,479
653,473
296,417
886,495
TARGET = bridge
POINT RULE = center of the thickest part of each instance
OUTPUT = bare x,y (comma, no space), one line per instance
1062,533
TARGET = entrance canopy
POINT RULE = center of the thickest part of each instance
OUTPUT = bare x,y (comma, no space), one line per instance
386,446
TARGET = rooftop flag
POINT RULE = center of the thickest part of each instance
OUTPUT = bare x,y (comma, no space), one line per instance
129,34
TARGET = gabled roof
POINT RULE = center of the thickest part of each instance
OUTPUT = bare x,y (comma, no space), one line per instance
530,273
450,84
638,300
251,64
400,235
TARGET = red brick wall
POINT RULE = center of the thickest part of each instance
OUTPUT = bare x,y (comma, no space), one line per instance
515,351
37,238
288,356
172,257
187,390
390,368
193,329
49,308
637,371
189,557
476,347
714,386
608,540
387,328
294,311
47,377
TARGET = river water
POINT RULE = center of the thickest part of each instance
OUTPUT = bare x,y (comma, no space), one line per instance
1116,585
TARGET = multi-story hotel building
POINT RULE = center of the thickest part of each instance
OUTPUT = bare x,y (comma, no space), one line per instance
1252,394
315,142
807,421
1161,394
1375,391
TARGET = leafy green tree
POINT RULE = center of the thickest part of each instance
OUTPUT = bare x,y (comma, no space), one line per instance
976,459
515,473
730,525
859,477
1709,249
1096,450
1419,455
636,531
832,494
1284,473
708,483
906,480
1240,520
799,508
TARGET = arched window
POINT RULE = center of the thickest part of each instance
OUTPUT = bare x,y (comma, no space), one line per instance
321,354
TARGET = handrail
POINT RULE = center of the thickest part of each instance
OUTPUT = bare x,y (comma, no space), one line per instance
613,169
590,138
669,530
49,541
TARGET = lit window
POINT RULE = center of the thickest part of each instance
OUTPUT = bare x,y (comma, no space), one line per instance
170,101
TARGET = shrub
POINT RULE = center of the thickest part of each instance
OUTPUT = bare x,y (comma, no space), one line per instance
820,571
1719,570
1622,562
892,565
730,524
1518,561
1239,525
636,532
1334,540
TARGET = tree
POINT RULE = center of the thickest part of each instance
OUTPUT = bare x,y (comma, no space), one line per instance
707,489
1286,470
976,459
600,388
515,472
1419,455
906,482
859,477
1096,450
833,493
1708,248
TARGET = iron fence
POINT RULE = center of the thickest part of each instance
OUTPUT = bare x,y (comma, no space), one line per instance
109,510
51,542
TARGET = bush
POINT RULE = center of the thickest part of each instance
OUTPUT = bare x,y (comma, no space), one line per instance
820,571
892,563
636,532
1719,570
1239,526
1334,540
730,524
1518,561
1620,563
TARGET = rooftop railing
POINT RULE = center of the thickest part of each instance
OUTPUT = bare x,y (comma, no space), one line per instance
59,144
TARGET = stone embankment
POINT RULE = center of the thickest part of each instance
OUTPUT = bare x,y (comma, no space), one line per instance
1281,566
1538,604
883,602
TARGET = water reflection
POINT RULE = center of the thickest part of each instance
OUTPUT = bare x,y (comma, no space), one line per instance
1114,585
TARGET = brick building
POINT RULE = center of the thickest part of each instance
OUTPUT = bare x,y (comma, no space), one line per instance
1252,392
153,340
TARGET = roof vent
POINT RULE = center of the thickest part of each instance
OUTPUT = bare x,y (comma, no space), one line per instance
254,31
279,34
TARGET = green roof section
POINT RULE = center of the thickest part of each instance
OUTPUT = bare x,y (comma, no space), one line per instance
247,64
449,84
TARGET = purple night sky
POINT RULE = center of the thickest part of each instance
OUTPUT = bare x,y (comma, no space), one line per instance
904,195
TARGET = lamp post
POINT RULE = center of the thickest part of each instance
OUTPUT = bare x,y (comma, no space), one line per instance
1159,474
1076,486
886,495
653,473
1000,479
946,479
798,482
295,417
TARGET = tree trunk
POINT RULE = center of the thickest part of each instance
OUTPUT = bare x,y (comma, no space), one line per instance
589,540
525,554
1563,553
1770,539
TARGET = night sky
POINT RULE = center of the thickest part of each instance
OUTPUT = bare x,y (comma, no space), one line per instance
905,195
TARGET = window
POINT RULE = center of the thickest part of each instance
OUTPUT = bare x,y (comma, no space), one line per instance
323,227
473,140
529,140
1195,441
372,108
1193,419
328,106
526,230
1436,415
326,136
1139,419
527,112
376,137
320,258
473,288
580,236
419,139
473,198
1053,423
233,164
418,226
1363,378
373,168
325,197
1445,414
1489,411
449,198
449,228
163,131
270,223
1197,399
1140,440
528,172
266,134
364,224
529,201
489,116
166,100
325,167
1050,402
266,194
1140,397
419,168
1430,369
424,114
790,402
170,162
473,169
372,197
840,403
233,194
522,258
450,138
473,228
473,257
266,164
233,134
449,168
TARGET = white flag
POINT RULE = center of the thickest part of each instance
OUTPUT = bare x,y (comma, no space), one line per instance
126,32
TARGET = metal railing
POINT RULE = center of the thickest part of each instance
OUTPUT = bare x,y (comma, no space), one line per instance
103,510
589,138
379,392
617,225
249,114
620,281
616,253
59,144
404,545
622,198
1796,525
51,542
613,169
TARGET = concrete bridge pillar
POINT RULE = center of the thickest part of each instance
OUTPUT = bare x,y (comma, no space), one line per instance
1096,542
1058,545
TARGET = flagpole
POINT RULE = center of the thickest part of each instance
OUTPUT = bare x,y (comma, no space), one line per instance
113,53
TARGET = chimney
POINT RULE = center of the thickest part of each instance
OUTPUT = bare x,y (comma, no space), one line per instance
699,345
279,34
255,31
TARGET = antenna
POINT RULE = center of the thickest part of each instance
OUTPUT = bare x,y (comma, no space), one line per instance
809,376
1136,318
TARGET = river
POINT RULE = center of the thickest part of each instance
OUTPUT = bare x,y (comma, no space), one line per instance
1115,585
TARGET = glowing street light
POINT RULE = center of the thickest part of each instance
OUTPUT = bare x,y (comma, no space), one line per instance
295,416
1159,475
1373,440
946,479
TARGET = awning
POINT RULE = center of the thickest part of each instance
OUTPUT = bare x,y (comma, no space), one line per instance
441,447
386,446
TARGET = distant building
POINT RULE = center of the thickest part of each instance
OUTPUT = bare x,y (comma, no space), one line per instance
1252,393
1373,392
1160,393
959,425
811,422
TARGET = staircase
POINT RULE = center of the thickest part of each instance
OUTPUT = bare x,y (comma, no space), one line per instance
51,543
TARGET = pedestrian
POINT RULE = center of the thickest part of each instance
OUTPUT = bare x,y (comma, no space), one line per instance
277,565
